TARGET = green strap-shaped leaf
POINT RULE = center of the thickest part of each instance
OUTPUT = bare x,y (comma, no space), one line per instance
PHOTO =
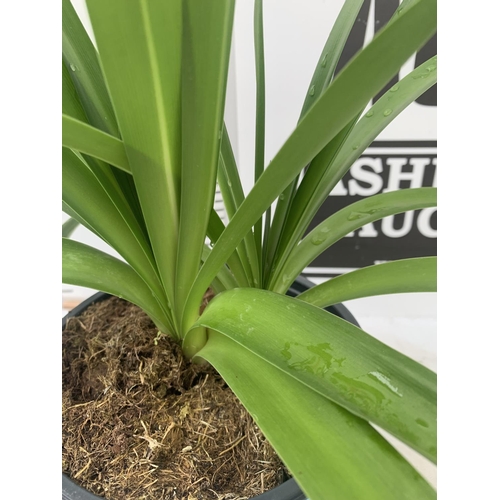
139,47
233,196
69,227
331,453
92,141
112,189
399,276
85,266
84,194
75,130
260,118
224,278
228,177
313,175
331,164
206,42
80,58
348,94
334,358
214,230
69,211
121,180
330,55
344,221
71,104
321,78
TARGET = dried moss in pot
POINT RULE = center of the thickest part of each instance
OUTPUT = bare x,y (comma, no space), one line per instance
139,421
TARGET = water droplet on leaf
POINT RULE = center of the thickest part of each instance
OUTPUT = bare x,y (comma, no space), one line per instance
317,239
366,213
421,422
387,112
356,216
369,114
72,67
311,91
383,379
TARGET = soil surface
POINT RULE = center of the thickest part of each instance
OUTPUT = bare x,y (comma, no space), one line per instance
139,422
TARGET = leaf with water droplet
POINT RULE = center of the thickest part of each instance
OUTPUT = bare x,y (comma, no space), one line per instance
72,67
366,213
356,216
286,351
386,381
423,75
318,363
394,88
387,112
422,422
359,393
369,114
323,61
340,361
311,91
317,239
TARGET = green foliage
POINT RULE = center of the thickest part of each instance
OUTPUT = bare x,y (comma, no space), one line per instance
143,145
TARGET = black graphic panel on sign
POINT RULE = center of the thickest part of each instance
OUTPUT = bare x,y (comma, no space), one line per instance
384,167
429,97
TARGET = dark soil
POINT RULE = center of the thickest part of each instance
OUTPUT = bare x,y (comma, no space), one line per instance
139,422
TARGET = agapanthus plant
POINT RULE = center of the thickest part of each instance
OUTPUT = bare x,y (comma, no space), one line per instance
144,146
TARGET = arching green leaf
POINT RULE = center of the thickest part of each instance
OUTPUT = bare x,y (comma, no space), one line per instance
334,358
399,276
330,452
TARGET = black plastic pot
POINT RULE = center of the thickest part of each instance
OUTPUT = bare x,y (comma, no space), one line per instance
289,490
